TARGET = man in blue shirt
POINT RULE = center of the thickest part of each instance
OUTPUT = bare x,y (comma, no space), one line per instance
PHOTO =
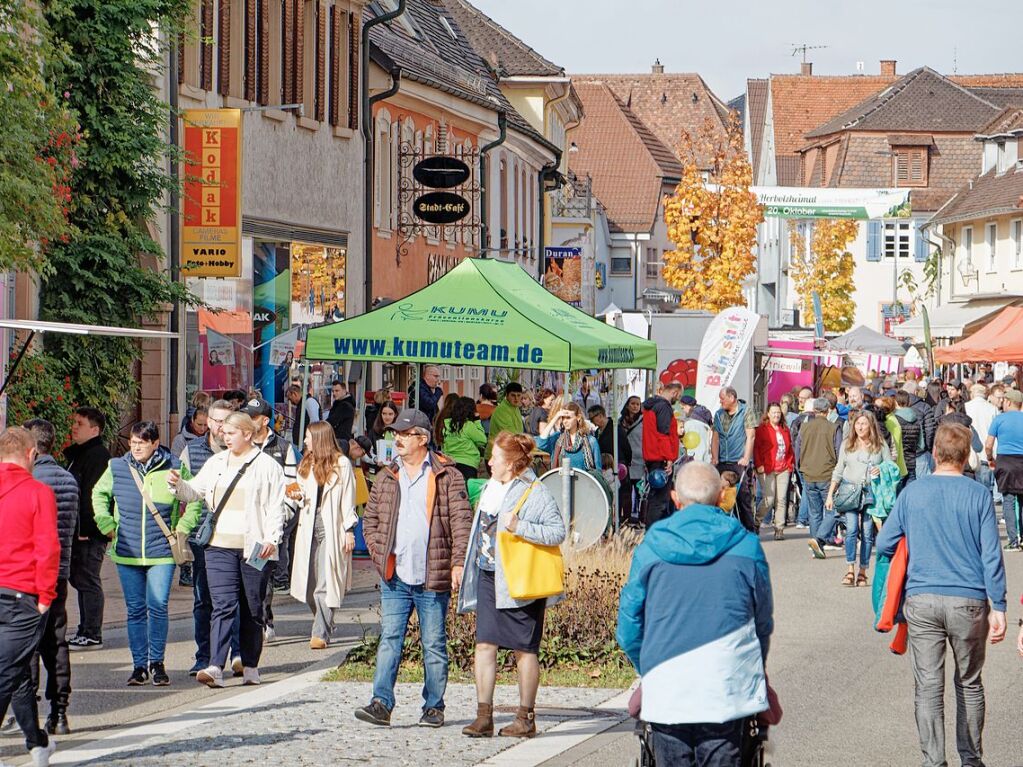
954,591
1007,430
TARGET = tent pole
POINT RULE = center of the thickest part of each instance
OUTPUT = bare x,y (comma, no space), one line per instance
414,398
301,414
17,361
614,442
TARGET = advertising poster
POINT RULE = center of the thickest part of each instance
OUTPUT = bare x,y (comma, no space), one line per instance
271,309
282,349
212,196
219,349
812,202
317,284
563,274
723,347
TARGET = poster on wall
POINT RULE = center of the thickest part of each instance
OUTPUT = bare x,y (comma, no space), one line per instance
271,311
317,284
563,274
893,315
212,195
282,349
219,349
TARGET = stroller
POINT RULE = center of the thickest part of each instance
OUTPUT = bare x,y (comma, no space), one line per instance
752,748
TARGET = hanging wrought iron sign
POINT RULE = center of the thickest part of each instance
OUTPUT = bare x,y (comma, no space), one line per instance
440,207
441,172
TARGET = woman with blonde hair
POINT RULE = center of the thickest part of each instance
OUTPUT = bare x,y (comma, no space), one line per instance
568,435
325,536
244,488
512,501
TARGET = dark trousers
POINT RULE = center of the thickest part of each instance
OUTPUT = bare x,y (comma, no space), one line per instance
658,501
21,628
235,587
744,494
469,472
86,563
202,610
698,745
54,653
282,571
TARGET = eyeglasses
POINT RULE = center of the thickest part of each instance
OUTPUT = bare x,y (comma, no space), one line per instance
138,443
404,435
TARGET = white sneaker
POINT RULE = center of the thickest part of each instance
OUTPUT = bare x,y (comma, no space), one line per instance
269,635
41,754
211,676
250,676
236,665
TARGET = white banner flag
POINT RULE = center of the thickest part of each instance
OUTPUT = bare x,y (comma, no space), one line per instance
721,351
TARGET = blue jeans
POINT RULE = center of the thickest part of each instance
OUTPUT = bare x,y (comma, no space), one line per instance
397,599
803,517
862,523
146,593
822,523
1010,510
202,611
698,745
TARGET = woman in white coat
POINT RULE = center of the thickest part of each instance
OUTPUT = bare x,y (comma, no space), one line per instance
325,536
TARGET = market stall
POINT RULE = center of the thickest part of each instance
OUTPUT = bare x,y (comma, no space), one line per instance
1001,340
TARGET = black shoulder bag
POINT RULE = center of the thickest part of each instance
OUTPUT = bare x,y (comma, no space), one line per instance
204,532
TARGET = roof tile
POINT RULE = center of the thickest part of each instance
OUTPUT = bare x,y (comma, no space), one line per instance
756,105
987,195
507,54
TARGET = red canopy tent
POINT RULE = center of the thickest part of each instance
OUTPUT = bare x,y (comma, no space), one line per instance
1001,340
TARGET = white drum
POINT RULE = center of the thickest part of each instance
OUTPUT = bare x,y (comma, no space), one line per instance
588,509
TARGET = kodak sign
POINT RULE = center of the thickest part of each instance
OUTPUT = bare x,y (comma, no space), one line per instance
211,224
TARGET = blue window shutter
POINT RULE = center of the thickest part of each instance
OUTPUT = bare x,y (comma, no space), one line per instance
922,246
874,239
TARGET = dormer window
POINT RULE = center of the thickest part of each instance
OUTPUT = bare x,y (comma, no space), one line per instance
909,164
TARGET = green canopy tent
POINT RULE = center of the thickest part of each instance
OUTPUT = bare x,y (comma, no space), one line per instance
483,312
489,313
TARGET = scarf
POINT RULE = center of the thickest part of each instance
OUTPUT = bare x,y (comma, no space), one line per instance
568,443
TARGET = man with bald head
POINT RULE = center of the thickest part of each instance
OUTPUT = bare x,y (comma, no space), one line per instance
703,670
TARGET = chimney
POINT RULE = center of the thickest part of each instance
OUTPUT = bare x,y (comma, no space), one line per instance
888,67
806,68
658,67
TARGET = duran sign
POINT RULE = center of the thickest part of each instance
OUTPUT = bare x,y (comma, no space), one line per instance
441,172
212,203
440,207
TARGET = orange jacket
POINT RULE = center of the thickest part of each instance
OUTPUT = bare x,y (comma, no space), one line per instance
891,610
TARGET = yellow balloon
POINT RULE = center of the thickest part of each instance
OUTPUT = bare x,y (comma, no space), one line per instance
691,440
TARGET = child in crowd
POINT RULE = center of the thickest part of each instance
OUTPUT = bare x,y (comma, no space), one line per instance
729,489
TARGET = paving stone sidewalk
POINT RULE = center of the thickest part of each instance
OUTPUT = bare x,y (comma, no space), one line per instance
315,726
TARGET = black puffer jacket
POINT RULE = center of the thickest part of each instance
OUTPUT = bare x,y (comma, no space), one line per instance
912,436
87,463
925,415
64,487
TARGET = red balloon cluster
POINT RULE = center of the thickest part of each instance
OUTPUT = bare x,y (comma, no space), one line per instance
683,371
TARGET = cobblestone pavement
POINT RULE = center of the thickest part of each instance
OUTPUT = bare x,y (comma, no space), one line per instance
315,726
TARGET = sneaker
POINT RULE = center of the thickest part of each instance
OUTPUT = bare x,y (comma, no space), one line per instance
185,576
834,546
269,635
41,754
138,677
282,588
432,717
199,666
317,643
375,713
250,676
79,642
236,666
801,526
815,548
160,678
1011,546
211,676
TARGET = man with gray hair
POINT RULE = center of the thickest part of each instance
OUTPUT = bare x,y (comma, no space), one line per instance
731,447
816,450
703,670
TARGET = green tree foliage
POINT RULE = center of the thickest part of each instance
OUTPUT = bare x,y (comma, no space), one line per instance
33,119
109,270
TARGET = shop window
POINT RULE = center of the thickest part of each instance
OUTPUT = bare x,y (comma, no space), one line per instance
621,267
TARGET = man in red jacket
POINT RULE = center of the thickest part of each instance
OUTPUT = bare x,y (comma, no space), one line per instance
660,448
29,560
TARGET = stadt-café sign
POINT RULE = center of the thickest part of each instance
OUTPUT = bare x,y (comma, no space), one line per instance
440,207
441,172
211,224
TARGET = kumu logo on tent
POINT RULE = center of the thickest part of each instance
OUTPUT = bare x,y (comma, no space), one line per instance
469,315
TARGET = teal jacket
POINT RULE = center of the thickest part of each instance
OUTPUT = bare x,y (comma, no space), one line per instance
883,488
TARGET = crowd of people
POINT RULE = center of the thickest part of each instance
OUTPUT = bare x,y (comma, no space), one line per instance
446,489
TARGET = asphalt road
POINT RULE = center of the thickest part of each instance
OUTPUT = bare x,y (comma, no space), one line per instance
847,699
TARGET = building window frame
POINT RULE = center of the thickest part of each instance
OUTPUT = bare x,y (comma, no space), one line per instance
616,264
991,246
897,239
909,166
1016,238
967,245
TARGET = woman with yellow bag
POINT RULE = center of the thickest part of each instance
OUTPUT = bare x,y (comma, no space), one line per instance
513,570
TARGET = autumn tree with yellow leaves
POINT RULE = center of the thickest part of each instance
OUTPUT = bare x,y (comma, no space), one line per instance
827,269
712,219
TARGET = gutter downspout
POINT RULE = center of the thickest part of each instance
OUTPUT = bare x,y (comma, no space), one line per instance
368,143
174,241
502,127
548,171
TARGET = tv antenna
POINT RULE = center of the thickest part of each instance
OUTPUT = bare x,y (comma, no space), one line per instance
797,48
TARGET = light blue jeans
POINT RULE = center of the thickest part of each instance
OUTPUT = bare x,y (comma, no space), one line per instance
146,594
397,600
859,522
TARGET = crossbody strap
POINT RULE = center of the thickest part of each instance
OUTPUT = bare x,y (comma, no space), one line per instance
149,503
522,499
230,489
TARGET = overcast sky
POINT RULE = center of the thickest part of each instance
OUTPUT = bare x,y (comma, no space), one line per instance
727,42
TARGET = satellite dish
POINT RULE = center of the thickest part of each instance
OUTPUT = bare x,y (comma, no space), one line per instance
589,506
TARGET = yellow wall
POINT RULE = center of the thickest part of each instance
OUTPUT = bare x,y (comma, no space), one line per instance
528,102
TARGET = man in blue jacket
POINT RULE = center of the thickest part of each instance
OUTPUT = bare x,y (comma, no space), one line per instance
695,619
954,591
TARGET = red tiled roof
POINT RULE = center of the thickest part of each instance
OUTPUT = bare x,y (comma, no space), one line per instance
1009,120
988,195
627,163
756,106
667,103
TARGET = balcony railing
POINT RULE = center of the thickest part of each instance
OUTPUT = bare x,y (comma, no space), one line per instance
574,199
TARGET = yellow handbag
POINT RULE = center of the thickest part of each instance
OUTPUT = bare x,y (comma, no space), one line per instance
361,488
531,571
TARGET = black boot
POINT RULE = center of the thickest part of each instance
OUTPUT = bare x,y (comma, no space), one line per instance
56,722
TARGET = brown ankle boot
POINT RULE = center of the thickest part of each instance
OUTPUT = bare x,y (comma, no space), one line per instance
524,725
483,726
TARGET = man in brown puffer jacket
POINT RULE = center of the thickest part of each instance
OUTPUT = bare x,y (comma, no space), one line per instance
417,527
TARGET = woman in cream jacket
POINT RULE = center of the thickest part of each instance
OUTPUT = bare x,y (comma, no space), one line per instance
325,536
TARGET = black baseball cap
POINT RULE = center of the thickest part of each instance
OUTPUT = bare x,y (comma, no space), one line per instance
257,406
410,418
688,400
